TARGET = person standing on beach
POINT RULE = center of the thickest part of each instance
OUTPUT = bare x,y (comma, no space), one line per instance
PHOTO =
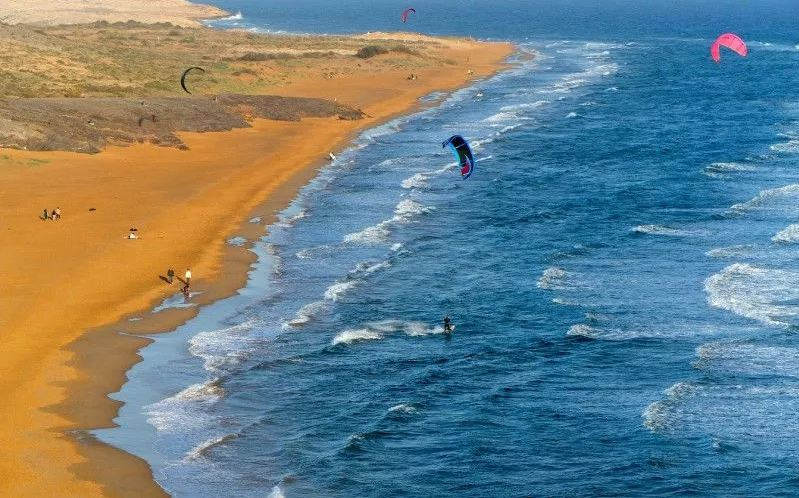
170,274
57,214
46,215
188,277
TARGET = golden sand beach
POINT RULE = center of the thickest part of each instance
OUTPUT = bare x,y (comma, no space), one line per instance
69,286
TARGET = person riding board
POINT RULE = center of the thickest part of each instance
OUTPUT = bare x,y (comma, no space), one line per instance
447,324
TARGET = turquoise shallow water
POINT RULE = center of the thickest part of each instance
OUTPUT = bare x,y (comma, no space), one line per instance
621,268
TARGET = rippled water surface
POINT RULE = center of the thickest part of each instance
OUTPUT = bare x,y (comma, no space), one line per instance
622,269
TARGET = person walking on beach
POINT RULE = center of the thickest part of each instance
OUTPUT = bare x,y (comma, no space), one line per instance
57,214
170,274
187,277
46,215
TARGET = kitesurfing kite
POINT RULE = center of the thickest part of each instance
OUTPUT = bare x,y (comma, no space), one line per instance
405,14
463,153
731,41
183,77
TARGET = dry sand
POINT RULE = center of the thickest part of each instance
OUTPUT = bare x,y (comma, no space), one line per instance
65,283
50,12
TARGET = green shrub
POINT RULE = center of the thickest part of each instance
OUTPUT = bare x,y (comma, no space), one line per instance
370,51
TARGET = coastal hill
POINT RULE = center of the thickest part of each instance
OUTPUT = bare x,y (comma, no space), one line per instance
51,12
79,87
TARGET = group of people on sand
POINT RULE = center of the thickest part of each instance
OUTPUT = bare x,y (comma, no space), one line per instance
170,277
55,215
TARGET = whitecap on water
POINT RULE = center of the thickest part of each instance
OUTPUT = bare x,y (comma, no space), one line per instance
788,235
403,408
419,180
760,413
223,348
719,169
767,295
742,358
371,331
731,251
355,335
662,230
184,410
785,196
373,235
556,278
305,314
582,330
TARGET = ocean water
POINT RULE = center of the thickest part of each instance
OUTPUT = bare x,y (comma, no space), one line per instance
622,269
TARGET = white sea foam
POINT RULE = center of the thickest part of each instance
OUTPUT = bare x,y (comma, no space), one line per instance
305,314
235,17
788,235
555,278
571,115
419,180
731,251
276,493
769,296
183,410
406,209
202,449
738,357
527,105
377,330
365,268
767,196
373,235
335,291
661,230
756,412
222,348
355,335
403,408
237,241
582,330
718,169
501,117
789,147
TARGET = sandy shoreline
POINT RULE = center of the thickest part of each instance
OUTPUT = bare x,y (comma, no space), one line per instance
84,280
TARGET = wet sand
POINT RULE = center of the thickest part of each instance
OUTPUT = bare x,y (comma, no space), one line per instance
70,286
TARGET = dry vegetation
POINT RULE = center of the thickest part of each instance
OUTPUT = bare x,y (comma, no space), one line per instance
132,59
80,87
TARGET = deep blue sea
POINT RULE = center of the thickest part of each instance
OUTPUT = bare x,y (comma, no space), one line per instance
621,267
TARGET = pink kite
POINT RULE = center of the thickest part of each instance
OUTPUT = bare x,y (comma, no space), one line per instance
731,41
405,14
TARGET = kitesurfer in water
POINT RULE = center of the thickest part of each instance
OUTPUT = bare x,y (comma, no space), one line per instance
447,324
